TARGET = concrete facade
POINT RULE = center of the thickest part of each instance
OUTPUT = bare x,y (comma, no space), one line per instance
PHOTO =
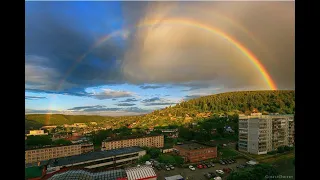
259,134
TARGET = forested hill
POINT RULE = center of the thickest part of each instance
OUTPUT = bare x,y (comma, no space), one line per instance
279,101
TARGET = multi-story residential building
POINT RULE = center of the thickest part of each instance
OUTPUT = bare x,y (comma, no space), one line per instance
195,152
33,155
148,141
259,134
37,133
87,147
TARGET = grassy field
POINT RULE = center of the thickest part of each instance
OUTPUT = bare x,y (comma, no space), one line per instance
226,153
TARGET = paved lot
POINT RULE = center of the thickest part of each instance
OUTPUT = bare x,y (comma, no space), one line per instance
198,174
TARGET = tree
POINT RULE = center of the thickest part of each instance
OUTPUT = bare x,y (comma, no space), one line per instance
154,152
144,158
38,140
62,142
167,159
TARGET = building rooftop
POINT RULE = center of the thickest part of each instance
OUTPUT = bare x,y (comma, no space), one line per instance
48,146
130,137
88,157
175,177
194,146
85,175
142,172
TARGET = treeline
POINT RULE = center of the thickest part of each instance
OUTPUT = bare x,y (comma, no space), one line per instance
279,101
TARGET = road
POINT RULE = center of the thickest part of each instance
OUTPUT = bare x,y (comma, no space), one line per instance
198,174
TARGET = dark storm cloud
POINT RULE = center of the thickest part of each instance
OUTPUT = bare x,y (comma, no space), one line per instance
55,44
56,39
34,97
264,28
125,104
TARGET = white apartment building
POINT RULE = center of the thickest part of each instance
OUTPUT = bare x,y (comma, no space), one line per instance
259,134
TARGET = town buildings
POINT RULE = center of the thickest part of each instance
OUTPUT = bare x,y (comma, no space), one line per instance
147,141
259,134
170,133
34,155
195,152
36,133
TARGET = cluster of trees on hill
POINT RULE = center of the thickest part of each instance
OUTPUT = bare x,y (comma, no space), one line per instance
279,101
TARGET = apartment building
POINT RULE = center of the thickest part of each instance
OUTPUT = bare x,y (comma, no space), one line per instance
33,155
196,152
148,141
259,134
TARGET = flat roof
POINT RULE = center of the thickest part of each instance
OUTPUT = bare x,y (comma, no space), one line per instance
134,173
91,156
175,177
130,137
82,174
194,146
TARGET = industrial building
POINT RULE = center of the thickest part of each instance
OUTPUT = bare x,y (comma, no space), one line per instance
101,159
195,152
259,134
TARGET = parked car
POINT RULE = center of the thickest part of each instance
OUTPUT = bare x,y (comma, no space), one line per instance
217,178
212,164
213,174
208,175
222,162
192,168
219,171
167,168
200,166
171,166
227,170
158,167
204,166
208,165
234,160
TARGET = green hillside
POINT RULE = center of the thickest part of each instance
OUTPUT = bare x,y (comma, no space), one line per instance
279,101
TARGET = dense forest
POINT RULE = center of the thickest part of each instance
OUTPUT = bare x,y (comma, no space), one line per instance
278,101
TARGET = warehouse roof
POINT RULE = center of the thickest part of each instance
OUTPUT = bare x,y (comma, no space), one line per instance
141,172
89,156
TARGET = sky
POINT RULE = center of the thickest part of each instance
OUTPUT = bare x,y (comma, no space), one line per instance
130,58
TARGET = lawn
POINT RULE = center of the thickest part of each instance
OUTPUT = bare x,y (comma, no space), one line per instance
226,153
284,164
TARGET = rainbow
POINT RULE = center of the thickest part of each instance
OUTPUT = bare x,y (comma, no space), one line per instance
151,22
243,49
